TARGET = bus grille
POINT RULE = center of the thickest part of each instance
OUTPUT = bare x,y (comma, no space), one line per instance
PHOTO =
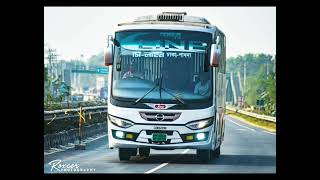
151,116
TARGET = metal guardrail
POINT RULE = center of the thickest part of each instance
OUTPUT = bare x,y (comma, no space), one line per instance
75,109
72,135
71,113
255,115
48,115
75,104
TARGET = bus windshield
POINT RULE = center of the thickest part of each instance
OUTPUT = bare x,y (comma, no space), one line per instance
143,59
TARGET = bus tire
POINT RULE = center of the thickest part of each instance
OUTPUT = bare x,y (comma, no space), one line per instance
144,152
204,155
126,153
216,152
212,155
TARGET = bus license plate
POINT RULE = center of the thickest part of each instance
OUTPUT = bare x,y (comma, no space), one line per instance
159,137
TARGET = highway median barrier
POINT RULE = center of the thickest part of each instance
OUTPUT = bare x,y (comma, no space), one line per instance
71,136
51,106
62,126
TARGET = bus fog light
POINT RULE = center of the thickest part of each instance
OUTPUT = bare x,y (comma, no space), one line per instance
201,136
119,134
129,136
189,137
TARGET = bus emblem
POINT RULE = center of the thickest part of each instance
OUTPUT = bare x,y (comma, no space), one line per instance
160,117
160,106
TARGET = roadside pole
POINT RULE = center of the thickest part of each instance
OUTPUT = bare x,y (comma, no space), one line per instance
80,146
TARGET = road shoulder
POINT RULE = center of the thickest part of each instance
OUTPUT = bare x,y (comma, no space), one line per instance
251,124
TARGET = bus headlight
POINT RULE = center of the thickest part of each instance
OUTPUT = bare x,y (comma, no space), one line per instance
120,122
200,124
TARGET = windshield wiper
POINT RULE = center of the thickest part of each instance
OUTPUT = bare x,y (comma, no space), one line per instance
176,97
138,100
161,88
159,84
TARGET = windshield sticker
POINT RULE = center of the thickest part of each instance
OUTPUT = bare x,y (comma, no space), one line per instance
163,41
181,55
166,45
138,54
147,54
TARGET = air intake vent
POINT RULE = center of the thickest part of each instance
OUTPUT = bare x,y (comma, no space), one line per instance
171,16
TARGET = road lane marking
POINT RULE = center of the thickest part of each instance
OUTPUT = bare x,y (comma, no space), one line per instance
242,125
99,137
56,149
156,168
163,164
270,133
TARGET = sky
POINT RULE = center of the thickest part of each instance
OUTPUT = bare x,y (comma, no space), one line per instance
83,30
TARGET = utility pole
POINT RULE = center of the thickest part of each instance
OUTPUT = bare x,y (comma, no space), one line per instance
267,69
274,64
77,75
74,66
78,78
244,79
52,60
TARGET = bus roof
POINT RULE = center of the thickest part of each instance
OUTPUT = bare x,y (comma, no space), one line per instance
172,18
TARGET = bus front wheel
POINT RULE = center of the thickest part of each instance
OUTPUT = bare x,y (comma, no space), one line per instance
126,153
216,152
204,155
144,152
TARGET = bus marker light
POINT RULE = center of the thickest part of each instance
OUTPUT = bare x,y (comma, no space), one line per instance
129,136
189,137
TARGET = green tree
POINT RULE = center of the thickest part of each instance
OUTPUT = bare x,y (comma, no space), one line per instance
258,85
45,74
262,87
271,97
251,94
252,61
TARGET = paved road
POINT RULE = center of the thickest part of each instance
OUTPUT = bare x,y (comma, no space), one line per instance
246,149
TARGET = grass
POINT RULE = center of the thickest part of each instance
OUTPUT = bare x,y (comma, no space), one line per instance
255,121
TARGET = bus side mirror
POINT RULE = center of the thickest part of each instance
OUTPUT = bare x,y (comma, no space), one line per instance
215,55
108,52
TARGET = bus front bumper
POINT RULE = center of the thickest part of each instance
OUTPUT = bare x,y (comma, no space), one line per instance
178,137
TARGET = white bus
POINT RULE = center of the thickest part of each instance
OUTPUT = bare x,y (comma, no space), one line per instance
166,85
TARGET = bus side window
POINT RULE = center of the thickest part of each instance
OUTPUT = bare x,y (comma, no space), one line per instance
218,41
224,54
221,41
